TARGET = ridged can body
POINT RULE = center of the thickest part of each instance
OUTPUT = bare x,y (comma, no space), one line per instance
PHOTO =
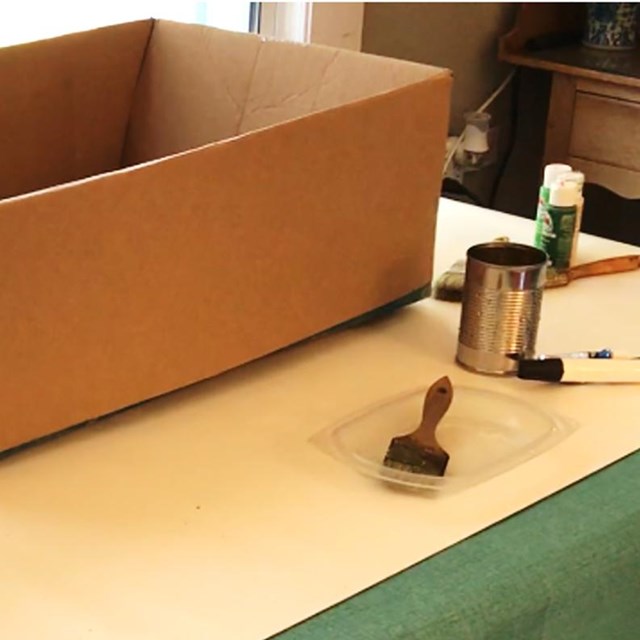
501,306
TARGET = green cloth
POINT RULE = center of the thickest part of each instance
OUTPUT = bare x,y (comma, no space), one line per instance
567,568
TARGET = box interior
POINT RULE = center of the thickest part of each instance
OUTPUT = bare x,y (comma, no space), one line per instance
97,101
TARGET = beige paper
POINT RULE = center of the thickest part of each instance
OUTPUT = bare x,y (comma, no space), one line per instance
209,514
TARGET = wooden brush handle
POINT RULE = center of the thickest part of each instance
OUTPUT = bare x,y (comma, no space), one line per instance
603,267
436,404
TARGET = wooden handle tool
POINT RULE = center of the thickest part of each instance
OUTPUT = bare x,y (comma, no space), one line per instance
419,452
618,264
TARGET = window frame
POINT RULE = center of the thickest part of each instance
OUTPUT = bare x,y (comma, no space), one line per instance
331,23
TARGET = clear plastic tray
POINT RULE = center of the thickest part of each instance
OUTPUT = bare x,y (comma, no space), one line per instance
484,432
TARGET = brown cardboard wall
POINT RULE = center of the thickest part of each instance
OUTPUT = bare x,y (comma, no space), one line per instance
160,276
293,80
200,85
65,105
192,90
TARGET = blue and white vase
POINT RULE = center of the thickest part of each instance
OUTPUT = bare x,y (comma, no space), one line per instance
611,25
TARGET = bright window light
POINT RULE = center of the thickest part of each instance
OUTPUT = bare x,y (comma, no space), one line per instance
22,21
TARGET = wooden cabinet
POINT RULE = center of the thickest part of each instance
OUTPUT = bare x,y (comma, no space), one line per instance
595,127
593,121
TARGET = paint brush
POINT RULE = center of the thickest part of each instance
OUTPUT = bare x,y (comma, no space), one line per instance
419,451
449,285
619,264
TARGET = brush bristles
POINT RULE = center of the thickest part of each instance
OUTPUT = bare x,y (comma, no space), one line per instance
555,279
449,287
407,455
448,293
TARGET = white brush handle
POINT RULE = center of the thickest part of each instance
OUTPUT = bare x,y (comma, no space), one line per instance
580,370
601,370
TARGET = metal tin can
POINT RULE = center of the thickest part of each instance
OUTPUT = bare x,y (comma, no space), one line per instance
501,304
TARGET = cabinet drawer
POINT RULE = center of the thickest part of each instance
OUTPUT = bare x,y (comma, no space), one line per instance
624,182
606,130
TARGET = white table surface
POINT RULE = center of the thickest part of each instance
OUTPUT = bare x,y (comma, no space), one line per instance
209,513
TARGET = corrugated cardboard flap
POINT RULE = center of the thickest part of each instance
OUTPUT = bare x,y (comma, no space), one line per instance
200,85
65,105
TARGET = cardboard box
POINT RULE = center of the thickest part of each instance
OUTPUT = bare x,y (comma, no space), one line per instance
178,200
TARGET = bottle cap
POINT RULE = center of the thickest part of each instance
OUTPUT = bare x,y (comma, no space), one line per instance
564,194
576,177
552,171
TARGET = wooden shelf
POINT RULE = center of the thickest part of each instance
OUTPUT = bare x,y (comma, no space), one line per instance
547,36
593,121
